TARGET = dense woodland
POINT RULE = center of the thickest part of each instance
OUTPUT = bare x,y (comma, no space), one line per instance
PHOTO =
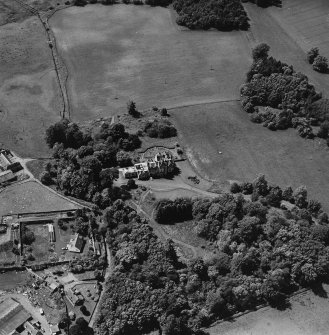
290,99
85,162
264,252
206,14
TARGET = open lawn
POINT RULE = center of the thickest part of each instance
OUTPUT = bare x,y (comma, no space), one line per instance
121,52
29,100
308,315
31,197
248,149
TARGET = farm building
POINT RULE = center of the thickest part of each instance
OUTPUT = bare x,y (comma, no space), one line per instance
12,317
6,176
4,159
160,166
51,233
76,298
76,244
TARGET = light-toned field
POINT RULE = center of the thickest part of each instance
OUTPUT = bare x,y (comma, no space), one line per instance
31,197
122,52
248,149
291,31
29,100
308,315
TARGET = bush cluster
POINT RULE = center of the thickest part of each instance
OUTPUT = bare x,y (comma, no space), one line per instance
160,128
271,83
319,63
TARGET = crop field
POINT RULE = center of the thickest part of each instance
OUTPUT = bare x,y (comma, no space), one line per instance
222,143
307,316
291,31
122,52
29,97
31,197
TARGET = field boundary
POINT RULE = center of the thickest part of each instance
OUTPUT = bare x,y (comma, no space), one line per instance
204,102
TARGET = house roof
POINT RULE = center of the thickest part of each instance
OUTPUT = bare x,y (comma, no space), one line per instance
77,243
12,315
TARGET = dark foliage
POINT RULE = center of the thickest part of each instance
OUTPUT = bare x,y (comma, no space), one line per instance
265,3
263,255
85,167
160,128
168,211
288,96
27,236
205,14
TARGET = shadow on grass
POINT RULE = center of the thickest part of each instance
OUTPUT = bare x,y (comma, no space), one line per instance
318,290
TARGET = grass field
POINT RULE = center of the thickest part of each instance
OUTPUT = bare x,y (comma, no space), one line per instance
31,197
308,315
291,31
249,149
13,279
41,247
29,100
117,53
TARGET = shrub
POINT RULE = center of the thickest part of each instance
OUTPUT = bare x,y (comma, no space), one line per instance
312,54
320,64
235,188
45,178
131,108
260,51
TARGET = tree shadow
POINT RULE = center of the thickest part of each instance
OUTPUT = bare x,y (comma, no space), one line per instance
319,291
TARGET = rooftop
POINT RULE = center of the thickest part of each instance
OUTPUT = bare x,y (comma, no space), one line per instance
12,315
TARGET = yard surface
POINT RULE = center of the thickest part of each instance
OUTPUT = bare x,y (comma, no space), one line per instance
222,143
308,315
122,52
31,197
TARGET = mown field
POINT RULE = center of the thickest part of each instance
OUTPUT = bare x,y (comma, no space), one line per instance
122,52
29,100
248,149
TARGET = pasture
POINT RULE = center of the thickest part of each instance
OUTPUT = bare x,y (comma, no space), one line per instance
29,96
306,316
122,52
222,143
31,197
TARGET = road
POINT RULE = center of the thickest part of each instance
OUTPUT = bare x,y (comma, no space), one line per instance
108,272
